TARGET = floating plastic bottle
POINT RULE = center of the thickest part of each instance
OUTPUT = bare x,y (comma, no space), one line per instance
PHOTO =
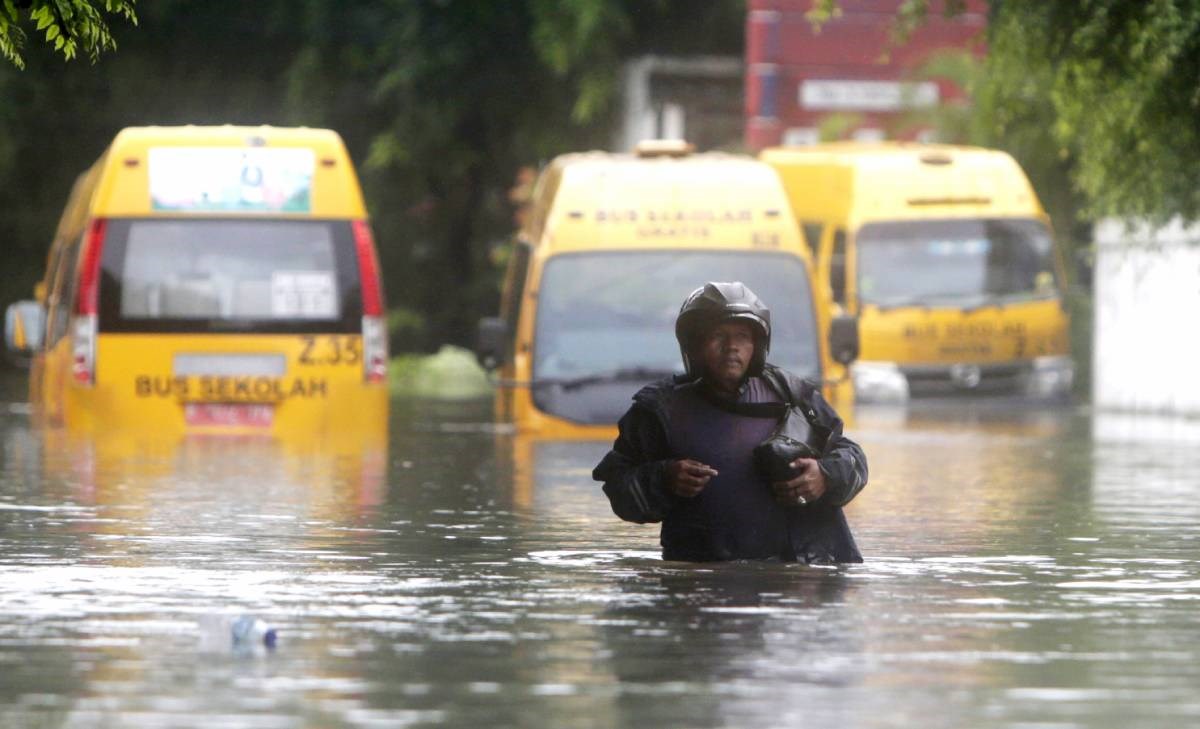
220,633
249,632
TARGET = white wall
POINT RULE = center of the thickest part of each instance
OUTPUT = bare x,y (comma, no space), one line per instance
1146,355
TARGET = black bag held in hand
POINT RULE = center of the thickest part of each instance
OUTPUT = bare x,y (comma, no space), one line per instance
793,437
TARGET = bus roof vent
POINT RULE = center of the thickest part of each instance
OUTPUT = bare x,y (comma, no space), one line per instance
936,158
966,200
664,148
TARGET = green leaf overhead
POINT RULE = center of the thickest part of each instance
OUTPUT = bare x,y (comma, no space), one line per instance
70,26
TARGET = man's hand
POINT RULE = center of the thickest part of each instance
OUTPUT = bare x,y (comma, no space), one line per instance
805,488
687,478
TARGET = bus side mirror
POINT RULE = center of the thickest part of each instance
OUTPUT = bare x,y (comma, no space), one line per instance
24,325
837,282
843,339
491,342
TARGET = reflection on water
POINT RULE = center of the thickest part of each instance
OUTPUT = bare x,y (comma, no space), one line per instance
1024,567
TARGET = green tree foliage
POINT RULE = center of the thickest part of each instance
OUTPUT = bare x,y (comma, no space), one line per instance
1120,83
70,26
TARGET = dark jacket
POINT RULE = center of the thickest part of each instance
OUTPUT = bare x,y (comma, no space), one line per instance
634,474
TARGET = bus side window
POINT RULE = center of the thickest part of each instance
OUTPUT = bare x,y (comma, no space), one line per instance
837,268
812,234
61,296
514,288
50,295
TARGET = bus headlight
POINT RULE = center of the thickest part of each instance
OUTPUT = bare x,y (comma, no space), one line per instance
881,382
1049,376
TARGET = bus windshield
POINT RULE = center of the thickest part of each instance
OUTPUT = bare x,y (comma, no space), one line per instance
609,319
954,262
190,275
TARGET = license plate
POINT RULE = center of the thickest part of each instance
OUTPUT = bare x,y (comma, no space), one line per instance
251,415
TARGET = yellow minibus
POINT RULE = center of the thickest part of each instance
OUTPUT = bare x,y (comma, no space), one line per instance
210,280
946,257
611,246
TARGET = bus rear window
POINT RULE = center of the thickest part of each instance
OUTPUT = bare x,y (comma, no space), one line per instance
189,275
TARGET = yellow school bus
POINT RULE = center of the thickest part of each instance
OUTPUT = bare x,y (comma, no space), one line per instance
612,245
210,280
946,257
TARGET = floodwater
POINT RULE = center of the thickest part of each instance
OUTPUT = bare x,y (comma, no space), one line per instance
1025,567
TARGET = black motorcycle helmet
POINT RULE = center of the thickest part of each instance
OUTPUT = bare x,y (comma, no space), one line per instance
717,302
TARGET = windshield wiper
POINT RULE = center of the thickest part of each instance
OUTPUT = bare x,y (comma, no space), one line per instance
988,301
901,303
1001,300
920,301
626,374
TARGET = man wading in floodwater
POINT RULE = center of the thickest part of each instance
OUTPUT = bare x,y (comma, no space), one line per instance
684,455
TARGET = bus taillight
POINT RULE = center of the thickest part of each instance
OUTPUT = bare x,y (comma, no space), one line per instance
374,328
87,297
